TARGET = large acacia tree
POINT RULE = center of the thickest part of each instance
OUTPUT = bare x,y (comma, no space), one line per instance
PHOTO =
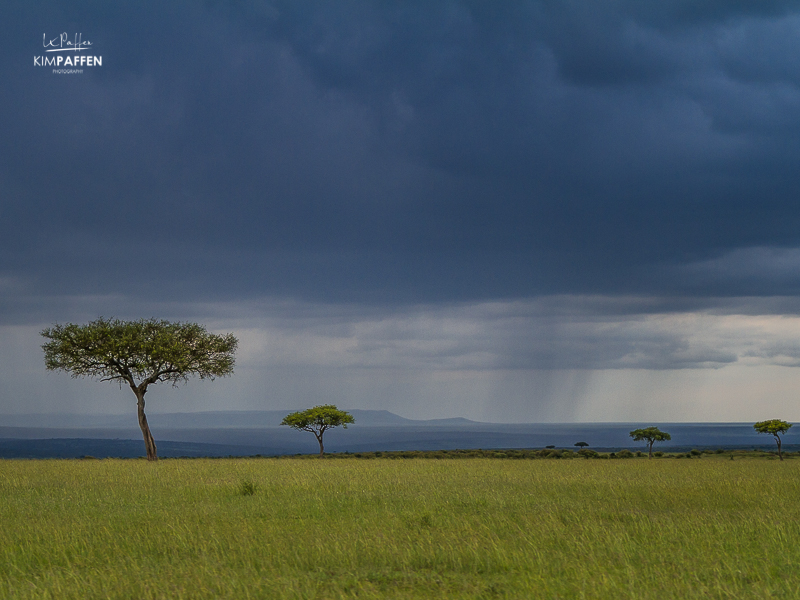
650,435
774,427
318,420
139,354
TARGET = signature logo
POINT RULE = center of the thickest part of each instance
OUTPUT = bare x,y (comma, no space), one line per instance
62,43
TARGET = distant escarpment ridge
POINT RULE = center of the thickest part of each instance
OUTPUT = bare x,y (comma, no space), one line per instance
249,433
211,419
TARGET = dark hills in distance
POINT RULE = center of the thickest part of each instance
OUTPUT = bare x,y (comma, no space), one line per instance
210,419
247,433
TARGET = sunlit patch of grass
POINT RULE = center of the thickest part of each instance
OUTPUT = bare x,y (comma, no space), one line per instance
478,528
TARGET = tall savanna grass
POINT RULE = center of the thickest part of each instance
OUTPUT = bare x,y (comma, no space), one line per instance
265,528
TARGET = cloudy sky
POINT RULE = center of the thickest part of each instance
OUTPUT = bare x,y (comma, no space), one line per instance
517,211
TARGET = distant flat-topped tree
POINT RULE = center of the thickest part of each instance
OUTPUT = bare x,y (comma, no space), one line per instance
139,353
774,427
318,420
650,435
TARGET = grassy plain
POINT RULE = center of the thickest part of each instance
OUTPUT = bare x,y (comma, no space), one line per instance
477,528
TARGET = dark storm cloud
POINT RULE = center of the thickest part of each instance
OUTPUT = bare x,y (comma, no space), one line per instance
402,152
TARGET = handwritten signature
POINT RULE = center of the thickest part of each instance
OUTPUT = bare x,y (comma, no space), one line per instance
62,43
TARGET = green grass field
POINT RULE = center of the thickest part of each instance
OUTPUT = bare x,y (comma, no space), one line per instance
477,528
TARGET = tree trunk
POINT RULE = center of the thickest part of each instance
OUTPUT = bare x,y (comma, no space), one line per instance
321,447
778,439
149,442
650,455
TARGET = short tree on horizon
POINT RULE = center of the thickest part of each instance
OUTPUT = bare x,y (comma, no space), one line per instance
139,353
581,445
650,435
774,427
318,420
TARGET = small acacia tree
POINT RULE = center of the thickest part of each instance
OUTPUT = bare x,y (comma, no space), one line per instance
650,435
581,445
139,353
774,427
318,420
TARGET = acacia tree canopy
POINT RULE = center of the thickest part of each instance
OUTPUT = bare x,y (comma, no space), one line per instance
650,435
139,353
318,420
774,427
